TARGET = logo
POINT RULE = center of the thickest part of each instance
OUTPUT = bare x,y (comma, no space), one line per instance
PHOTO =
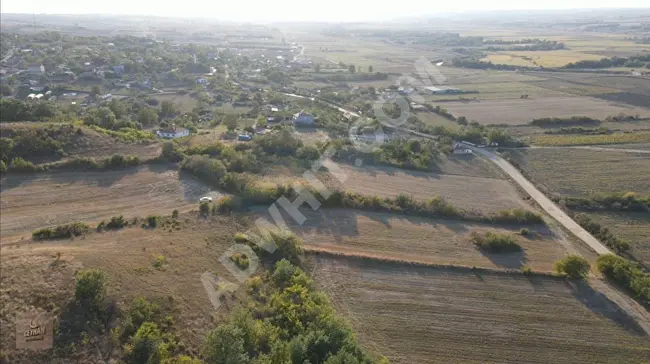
34,331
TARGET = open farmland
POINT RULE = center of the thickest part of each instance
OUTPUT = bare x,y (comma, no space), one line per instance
478,193
426,315
631,226
431,241
583,172
614,138
522,111
40,200
557,58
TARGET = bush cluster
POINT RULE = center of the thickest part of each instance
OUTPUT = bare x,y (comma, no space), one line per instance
61,232
628,201
573,266
627,274
495,242
603,234
574,120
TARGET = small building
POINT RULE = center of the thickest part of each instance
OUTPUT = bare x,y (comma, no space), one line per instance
446,90
303,118
172,132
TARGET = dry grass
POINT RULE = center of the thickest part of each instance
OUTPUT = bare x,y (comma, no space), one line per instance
31,277
478,193
615,138
431,241
631,226
556,58
426,315
40,200
523,111
579,172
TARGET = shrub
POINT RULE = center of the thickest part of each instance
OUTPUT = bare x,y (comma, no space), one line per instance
61,232
175,214
573,266
119,161
101,226
153,220
627,274
204,209
495,242
527,271
3,167
158,261
90,287
20,165
225,204
517,216
116,222
240,260
241,238
524,232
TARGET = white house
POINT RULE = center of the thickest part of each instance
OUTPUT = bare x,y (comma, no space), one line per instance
172,132
303,118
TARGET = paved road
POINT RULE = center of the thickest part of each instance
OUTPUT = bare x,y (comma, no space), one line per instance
549,206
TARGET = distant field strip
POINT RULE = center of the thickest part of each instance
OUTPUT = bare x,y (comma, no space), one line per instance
479,193
616,138
583,172
427,315
631,226
522,111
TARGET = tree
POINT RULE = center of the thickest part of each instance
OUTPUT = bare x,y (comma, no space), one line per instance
225,345
351,68
230,121
147,116
574,266
90,287
5,89
370,69
261,122
95,90
3,166
167,109
102,116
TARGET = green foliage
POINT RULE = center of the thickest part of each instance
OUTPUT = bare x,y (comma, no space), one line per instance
158,261
3,166
204,209
90,287
240,260
603,234
117,222
225,345
18,164
283,143
18,110
495,242
574,120
147,116
627,274
628,201
170,153
517,216
210,170
126,134
524,232
225,204
175,214
573,266
119,161
61,232
153,220
527,271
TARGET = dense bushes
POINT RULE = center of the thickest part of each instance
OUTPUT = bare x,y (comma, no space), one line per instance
573,266
603,234
211,170
18,110
574,120
117,222
517,216
627,274
90,287
628,201
287,322
495,242
61,232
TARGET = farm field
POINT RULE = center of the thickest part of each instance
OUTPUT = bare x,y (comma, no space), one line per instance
557,58
413,239
31,277
631,226
460,316
518,111
434,119
582,172
47,199
614,138
462,191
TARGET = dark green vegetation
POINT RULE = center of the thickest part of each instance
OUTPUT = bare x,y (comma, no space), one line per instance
61,232
573,266
287,321
575,120
495,243
634,61
627,274
603,234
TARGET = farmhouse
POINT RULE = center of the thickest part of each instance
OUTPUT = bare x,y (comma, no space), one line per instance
303,118
172,132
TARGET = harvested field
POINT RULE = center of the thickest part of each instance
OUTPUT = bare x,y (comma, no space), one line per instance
523,111
427,315
614,138
31,276
479,193
431,241
582,172
631,226
48,199
434,119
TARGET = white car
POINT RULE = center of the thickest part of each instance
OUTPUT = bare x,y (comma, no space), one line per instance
206,199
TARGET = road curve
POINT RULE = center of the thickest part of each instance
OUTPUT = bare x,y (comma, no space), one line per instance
549,206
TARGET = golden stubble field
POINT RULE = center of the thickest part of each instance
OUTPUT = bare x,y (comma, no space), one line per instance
427,315
583,172
467,192
631,226
47,199
428,241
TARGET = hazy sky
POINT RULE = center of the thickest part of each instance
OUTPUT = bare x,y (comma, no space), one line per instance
292,10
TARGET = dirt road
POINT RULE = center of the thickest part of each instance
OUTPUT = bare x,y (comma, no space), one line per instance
549,206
